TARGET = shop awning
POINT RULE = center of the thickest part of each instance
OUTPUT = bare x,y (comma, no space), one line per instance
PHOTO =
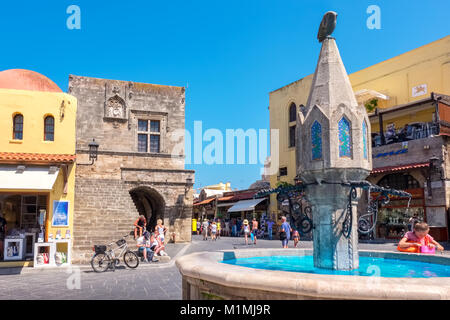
28,178
204,202
245,205
400,168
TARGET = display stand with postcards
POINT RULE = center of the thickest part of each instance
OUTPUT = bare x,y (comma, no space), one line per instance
55,252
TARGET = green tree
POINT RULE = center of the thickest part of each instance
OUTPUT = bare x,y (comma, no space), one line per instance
371,105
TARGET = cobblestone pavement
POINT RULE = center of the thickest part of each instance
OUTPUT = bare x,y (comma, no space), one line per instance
152,281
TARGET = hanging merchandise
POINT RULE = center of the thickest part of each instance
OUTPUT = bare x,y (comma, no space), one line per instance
46,260
40,258
58,258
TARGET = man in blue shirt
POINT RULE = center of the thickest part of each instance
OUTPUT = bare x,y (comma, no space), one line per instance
286,228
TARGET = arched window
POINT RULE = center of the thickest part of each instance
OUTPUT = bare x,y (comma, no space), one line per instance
364,136
18,127
49,128
399,181
316,140
345,145
292,112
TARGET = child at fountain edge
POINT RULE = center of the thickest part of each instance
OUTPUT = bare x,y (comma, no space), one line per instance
418,238
295,237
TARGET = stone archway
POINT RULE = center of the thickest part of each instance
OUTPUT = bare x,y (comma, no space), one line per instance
149,203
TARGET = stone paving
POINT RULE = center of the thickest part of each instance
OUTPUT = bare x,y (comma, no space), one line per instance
159,281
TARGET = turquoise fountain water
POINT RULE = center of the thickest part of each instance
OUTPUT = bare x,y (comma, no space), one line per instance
368,266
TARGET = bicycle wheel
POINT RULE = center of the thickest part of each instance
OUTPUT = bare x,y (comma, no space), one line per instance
131,259
100,262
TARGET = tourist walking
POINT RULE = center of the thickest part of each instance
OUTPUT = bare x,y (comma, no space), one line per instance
239,227
227,228
205,226
270,224
199,225
233,227
246,229
213,228
219,229
254,230
285,232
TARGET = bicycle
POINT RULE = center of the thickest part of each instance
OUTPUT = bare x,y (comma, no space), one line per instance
105,256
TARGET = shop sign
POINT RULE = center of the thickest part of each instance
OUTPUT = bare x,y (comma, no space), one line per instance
436,184
415,193
419,90
60,213
392,153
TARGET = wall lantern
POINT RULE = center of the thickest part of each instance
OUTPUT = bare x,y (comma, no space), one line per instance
93,152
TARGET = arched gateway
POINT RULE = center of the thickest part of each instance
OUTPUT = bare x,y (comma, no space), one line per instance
149,203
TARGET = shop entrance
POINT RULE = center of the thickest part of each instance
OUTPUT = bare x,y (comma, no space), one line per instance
21,212
393,217
150,204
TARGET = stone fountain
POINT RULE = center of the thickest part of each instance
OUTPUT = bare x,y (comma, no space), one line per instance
333,159
332,134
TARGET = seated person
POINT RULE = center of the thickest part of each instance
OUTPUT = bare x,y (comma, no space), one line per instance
143,243
141,224
412,241
159,245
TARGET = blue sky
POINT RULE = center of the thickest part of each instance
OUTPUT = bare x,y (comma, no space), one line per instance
230,54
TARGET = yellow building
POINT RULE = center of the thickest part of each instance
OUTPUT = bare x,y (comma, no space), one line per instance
37,164
398,81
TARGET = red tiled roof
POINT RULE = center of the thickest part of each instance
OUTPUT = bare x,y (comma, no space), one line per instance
36,157
400,168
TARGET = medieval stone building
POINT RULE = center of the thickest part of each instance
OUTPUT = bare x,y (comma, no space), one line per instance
140,167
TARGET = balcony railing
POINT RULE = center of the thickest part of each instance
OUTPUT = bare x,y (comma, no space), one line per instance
413,131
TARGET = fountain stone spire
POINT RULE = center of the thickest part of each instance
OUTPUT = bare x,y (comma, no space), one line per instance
333,147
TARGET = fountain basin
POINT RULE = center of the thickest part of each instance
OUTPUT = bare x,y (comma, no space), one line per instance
207,275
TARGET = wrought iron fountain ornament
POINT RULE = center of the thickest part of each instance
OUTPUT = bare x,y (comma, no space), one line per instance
300,217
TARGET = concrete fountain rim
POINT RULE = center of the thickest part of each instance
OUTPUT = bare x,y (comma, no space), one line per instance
207,266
